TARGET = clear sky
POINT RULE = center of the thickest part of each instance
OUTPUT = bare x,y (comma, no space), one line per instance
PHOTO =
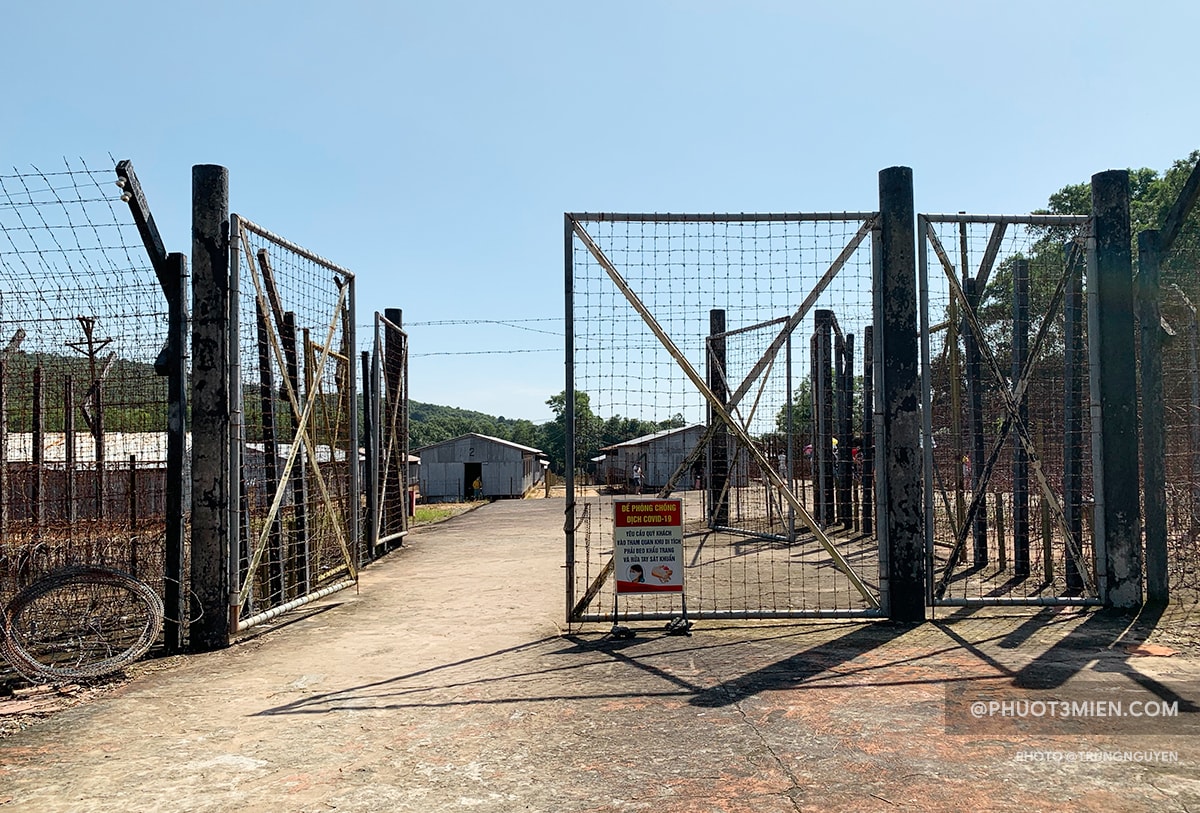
433,147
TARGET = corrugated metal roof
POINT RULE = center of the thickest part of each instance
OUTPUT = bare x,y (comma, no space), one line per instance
644,439
501,441
148,447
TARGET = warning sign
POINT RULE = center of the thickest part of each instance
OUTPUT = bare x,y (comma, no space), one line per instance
648,546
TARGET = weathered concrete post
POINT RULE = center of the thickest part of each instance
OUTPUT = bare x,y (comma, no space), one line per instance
395,505
1020,476
1073,364
718,447
979,549
1114,388
210,408
899,470
822,388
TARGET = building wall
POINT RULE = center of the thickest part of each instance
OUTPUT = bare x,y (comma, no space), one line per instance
504,470
659,458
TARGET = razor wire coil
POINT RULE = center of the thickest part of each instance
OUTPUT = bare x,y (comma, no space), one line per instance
80,622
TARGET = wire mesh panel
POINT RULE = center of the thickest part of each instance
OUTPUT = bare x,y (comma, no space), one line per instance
691,370
388,498
83,416
1007,433
1179,299
296,445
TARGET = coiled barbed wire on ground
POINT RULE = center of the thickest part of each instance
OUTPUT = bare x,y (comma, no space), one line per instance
80,622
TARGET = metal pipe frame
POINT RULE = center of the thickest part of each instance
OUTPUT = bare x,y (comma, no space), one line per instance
799,217
1020,220
283,242
1022,601
730,615
254,620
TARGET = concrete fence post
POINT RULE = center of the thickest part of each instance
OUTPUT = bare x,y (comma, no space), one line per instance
210,408
1114,389
899,470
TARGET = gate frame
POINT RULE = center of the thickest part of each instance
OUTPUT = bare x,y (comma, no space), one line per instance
896,420
387,435
1116,539
238,593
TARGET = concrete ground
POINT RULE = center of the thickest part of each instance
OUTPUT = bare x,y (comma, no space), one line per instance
449,681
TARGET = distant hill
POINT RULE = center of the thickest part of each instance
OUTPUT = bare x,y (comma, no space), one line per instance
134,398
433,423
430,423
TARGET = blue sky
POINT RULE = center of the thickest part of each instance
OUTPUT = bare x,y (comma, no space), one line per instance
432,148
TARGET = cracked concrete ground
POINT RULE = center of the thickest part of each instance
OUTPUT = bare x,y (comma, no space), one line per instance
448,682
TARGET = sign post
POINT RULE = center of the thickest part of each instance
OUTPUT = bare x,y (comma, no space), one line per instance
648,553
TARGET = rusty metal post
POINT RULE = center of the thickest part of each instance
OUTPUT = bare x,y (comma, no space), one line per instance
823,451
300,571
1073,422
394,509
37,458
979,548
845,428
868,424
370,407
71,514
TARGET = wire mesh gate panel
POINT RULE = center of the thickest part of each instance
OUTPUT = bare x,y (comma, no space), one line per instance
83,415
1178,297
295,438
1007,423
387,435
692,344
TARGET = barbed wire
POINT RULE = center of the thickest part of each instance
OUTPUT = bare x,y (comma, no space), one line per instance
484,352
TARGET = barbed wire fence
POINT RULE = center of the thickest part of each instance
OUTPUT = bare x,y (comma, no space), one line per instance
1169,295
83,414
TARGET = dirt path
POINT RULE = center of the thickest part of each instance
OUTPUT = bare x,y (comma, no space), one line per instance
448,682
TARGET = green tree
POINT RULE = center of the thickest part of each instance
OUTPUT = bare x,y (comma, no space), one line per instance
802,412
588,430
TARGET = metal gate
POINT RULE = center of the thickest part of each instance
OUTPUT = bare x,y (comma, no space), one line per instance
294,453
691,356
1007,429
386,432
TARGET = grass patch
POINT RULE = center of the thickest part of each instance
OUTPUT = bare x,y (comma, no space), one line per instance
439,512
